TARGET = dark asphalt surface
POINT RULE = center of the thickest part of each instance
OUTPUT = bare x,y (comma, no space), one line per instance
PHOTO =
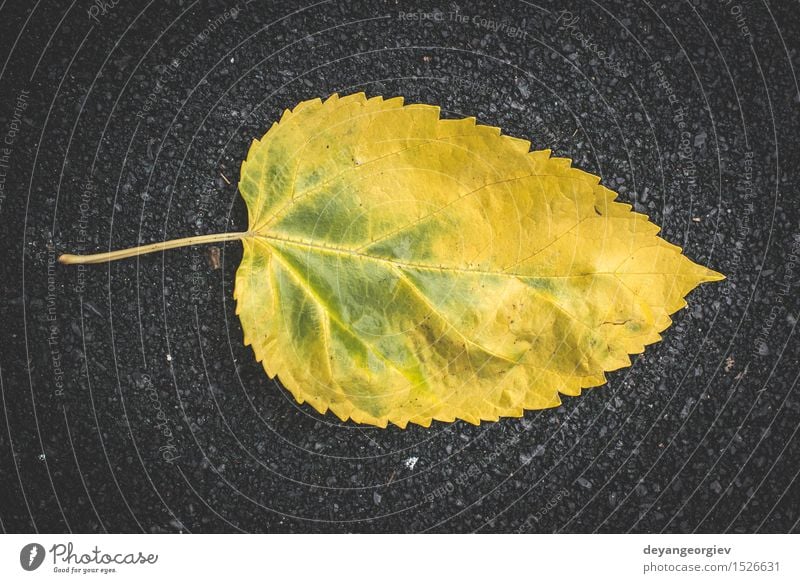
129,401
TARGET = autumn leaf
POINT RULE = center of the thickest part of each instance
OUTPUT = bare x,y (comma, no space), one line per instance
402,268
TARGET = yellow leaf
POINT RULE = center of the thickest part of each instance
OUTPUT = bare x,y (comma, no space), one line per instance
403,268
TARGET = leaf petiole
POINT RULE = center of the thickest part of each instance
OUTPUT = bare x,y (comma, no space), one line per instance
69,259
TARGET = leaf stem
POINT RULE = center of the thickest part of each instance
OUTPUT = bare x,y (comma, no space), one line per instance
153,247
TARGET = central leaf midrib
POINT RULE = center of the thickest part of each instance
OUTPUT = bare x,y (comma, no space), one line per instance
398,265
338,249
